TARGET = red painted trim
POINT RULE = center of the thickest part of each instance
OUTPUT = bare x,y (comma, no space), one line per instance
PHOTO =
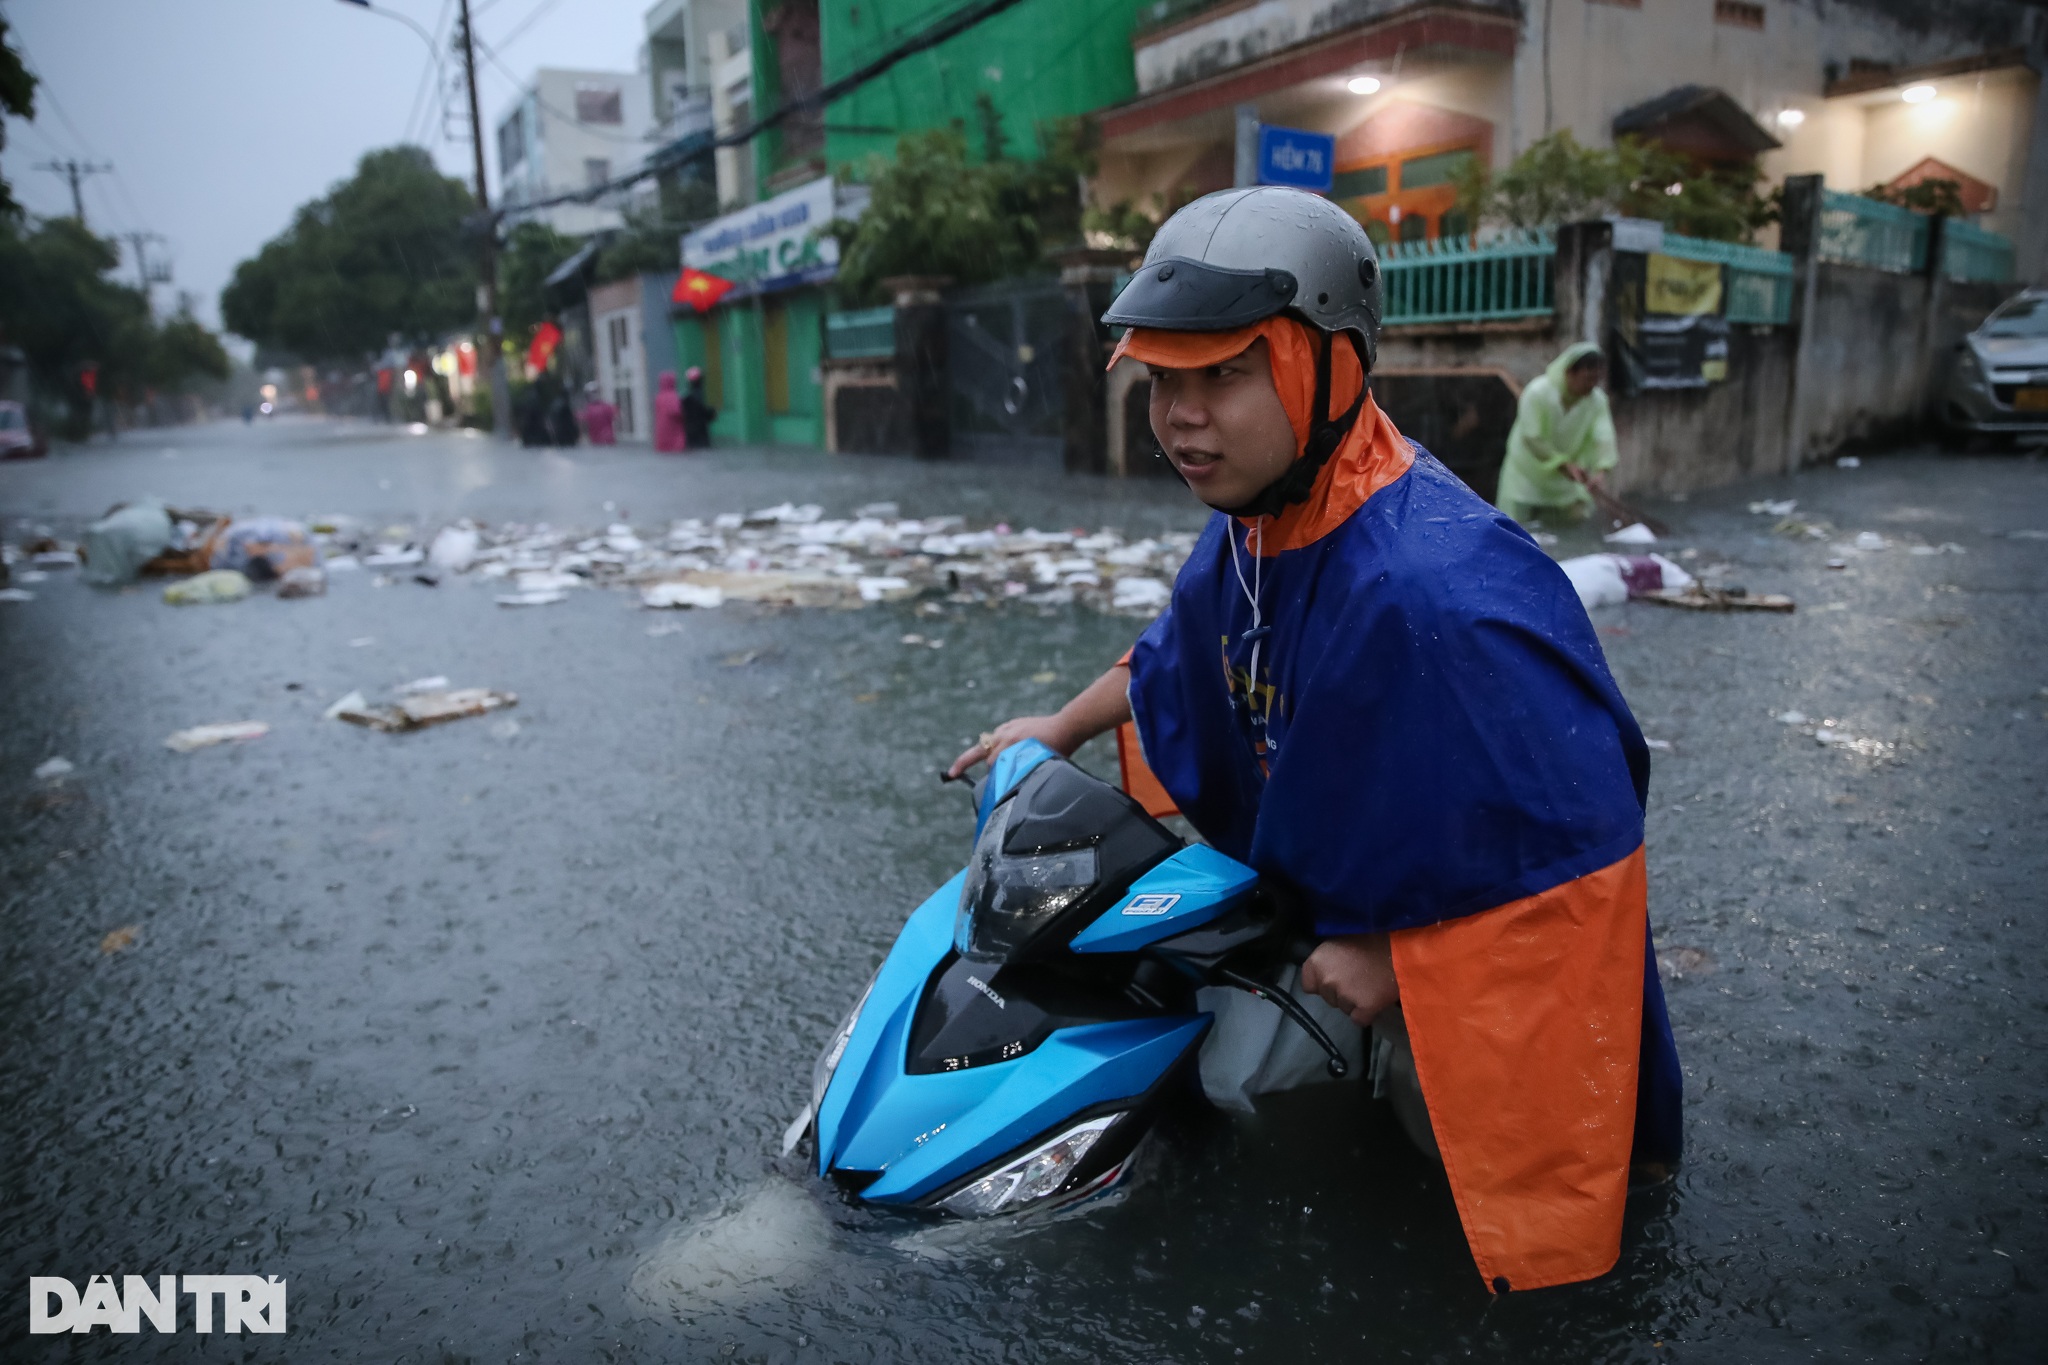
1307,61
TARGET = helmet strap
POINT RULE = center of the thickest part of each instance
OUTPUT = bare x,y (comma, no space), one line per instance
1325,434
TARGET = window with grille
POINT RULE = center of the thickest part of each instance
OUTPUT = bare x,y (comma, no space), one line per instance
1738,14
599,104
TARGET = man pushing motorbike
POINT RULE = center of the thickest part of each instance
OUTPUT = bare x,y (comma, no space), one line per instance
1375,689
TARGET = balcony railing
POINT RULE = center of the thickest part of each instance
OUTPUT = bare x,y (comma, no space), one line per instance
1759,282
1859,231
1969,252
1494,279
864,334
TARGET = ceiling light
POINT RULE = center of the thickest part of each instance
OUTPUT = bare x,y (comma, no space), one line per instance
1362,85
1917,94
1791,118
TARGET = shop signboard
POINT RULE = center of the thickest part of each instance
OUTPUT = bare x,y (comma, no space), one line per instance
776,244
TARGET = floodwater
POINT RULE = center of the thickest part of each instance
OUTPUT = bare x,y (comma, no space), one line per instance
484,1038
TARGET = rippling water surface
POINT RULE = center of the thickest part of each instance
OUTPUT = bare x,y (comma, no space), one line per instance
485,1037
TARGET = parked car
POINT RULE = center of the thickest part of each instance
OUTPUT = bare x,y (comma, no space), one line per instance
1999,382
17,440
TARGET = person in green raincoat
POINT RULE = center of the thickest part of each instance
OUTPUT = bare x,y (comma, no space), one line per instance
1562,440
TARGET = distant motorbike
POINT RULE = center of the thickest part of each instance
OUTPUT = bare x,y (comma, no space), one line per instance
1038,1010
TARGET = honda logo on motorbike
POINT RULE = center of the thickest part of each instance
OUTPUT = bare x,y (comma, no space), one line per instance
1152,903
248,1303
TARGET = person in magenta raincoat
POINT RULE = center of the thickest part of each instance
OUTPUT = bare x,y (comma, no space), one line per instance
668,414
599,417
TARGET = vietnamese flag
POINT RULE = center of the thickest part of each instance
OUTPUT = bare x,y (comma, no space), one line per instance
701,291
546,337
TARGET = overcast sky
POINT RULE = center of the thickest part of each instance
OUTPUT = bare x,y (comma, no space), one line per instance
222,116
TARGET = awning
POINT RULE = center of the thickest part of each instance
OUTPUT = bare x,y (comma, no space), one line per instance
1699,120
583,256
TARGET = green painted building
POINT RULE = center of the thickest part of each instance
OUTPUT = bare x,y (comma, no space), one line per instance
1039,61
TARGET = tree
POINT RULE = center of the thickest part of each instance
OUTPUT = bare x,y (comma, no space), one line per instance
651,241
1558,180
183,350
1937,195
17,97
933,211
60,304
382,253
531,252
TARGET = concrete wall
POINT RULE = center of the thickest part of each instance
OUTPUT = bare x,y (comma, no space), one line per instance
1880,346
1678,440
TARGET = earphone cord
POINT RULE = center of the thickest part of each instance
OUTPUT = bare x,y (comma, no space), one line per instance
1251,593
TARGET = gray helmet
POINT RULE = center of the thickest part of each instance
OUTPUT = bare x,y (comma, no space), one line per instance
1239,256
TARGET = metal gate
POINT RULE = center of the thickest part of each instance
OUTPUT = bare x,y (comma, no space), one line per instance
1003,362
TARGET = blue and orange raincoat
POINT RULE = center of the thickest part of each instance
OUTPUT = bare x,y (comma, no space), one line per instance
1432,747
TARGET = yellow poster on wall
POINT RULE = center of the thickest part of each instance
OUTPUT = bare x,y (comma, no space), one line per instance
1682,288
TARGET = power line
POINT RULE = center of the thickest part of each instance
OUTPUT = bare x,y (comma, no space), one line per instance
48,93
76,172
433,71
682,150
528,22
506,71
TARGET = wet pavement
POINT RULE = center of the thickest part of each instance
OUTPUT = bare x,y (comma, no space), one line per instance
484,1037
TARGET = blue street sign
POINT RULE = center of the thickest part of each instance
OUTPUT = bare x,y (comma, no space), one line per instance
1294,156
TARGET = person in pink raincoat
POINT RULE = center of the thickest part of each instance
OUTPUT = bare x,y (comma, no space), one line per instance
599,417
668,414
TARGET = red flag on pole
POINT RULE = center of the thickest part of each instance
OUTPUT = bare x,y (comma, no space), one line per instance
701,291
546,337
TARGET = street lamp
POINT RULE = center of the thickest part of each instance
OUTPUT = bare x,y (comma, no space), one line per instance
493,329
405,19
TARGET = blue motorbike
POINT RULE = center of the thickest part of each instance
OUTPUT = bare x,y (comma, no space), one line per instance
1038,1011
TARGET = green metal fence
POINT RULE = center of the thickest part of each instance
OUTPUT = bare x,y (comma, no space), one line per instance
1859,231
1968,252
1467,280
860,335
1759,282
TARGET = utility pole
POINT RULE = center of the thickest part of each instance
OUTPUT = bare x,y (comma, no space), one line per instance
139,242
494,328
76,172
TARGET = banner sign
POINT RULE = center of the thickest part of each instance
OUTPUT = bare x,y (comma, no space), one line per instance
775,244
1680,288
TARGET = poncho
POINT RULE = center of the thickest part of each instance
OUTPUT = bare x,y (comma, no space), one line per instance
1548,436
1432,745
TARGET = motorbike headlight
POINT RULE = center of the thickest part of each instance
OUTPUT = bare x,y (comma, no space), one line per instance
1032,1176
1008,898
828,1060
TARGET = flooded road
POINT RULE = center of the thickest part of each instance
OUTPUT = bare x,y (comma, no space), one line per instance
485,1037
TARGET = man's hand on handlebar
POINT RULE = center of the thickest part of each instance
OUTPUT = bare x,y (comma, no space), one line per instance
1102,706
1047,730
1355,973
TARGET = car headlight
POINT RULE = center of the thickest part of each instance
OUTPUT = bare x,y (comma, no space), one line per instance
1969,369
1032,1176
1008,898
